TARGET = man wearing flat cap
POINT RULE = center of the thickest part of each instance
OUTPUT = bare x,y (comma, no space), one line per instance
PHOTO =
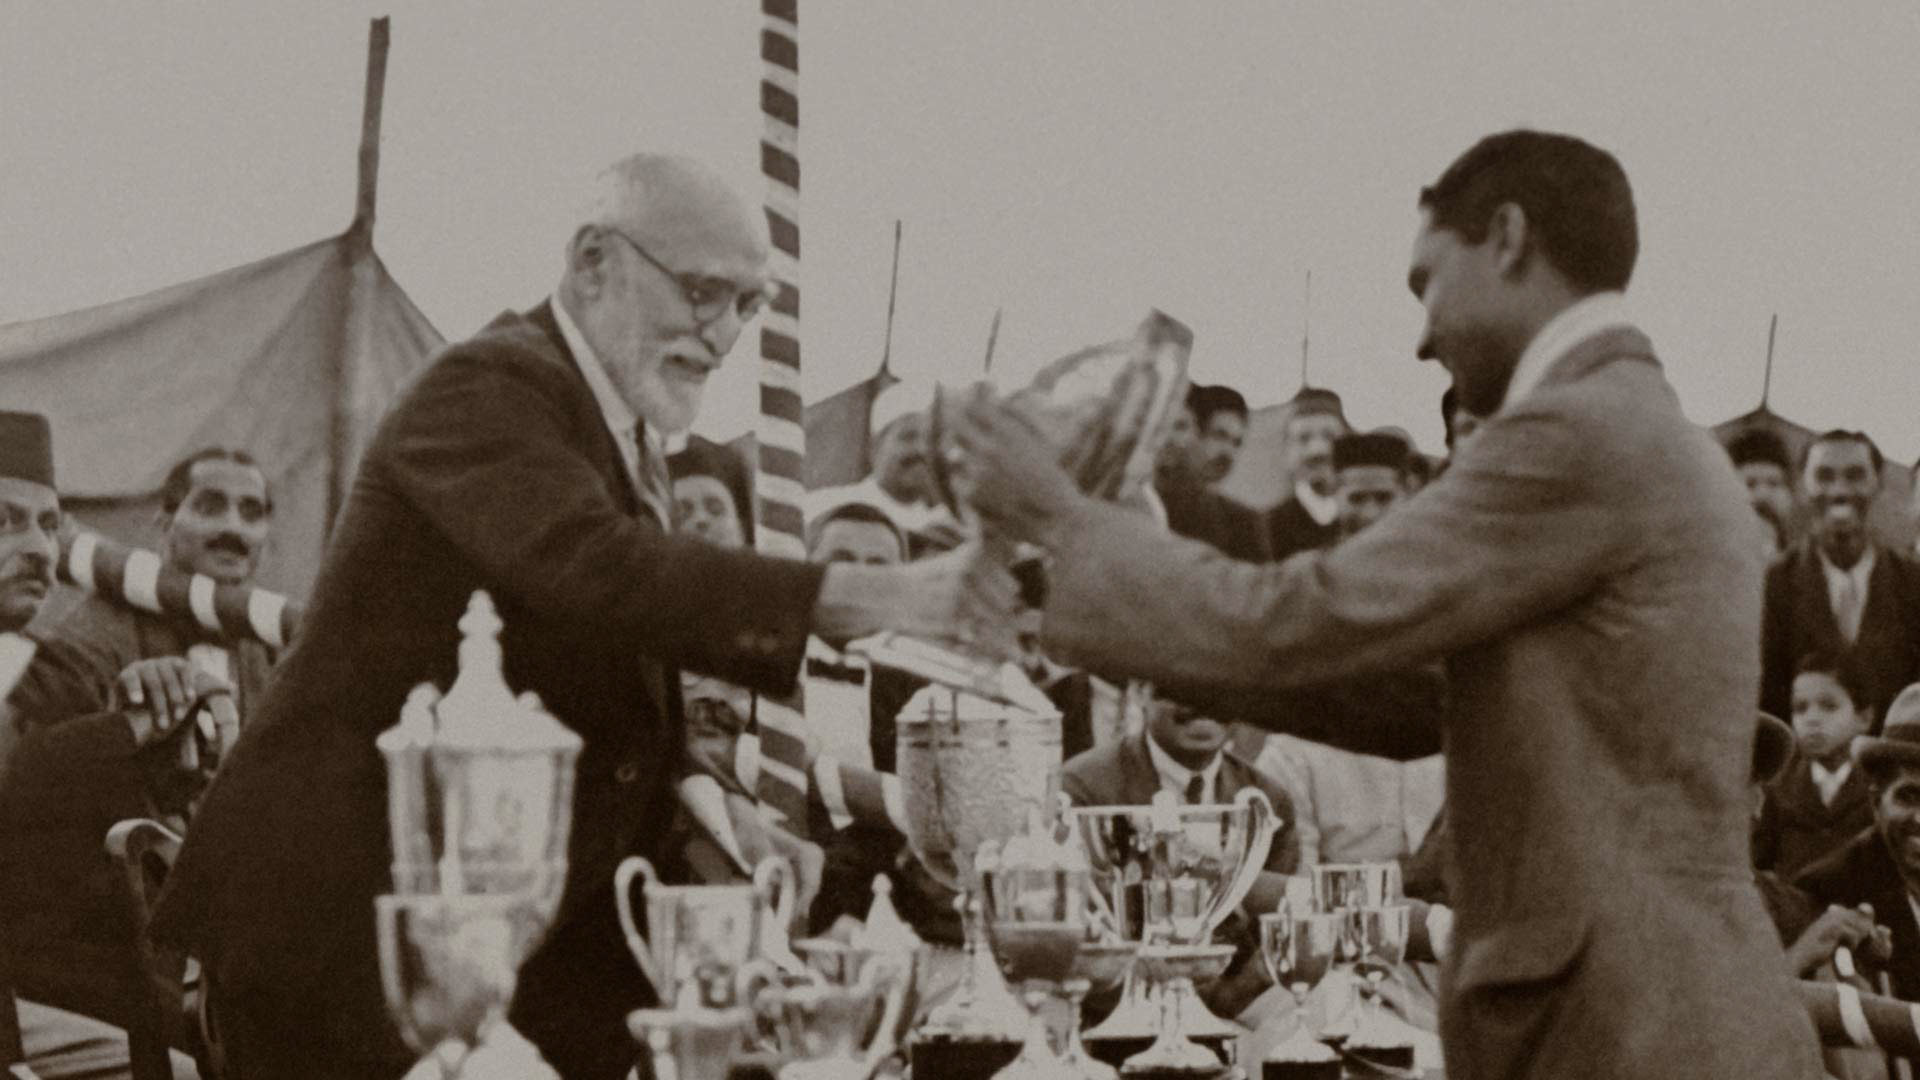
1881,866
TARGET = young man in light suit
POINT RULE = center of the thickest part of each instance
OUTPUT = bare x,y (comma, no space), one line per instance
1587,569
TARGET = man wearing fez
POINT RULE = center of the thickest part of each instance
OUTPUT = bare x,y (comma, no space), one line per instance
527,461
53,1042
108,732
1585,568
1841,591
1308,518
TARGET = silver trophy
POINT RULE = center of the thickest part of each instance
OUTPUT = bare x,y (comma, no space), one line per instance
825,1029
697,952
1167,875
1035,892
972,771
479,806
1374,922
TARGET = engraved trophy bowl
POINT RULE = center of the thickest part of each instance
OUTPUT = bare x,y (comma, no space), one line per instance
700,937
828,1030
972,772
1350,886
479,809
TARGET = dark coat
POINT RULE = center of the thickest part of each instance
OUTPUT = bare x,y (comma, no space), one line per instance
1862,872
493,471
1799,619
1587,569
1205,515
1290,530
1797,829
73,775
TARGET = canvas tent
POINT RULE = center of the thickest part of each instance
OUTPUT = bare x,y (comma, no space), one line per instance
292,358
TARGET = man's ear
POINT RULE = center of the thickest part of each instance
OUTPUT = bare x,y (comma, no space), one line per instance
587,258
1511,236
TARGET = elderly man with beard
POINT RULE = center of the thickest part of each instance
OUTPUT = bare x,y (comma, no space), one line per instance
1840,591
528,462
103,711
1307,518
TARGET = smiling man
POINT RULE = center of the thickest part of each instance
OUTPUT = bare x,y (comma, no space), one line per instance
1840,591
529,462
1585,567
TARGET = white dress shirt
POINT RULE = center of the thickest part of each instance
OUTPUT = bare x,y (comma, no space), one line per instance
1575,324
1321,508
622,424
1829,780
1839,582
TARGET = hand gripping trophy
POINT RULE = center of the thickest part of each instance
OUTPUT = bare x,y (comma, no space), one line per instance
479,804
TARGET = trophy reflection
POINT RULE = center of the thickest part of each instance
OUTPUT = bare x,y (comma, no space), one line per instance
702,944
1167,875
479,806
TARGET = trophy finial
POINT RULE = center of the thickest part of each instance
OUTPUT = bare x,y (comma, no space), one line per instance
884,930
479,699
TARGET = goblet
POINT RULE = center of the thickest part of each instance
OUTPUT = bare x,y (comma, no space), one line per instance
700,937
1035,894
1298,948
1380,942
972,772
1346,886
826,1030
1098,965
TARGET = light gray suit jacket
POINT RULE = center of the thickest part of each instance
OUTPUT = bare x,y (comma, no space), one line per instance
1586,568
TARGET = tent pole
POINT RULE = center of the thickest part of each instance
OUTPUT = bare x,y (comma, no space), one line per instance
362,269
1766,384
893,288
363,207
1306,329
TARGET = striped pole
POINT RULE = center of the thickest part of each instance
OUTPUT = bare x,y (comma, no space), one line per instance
779,488
135,577
1846,1017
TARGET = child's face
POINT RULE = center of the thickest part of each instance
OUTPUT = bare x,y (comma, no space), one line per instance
1825,719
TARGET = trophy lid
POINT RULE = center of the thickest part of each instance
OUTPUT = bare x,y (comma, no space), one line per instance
938,702
1006,687
479,711
414,731
884,930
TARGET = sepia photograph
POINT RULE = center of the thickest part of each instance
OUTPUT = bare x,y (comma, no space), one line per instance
1038,539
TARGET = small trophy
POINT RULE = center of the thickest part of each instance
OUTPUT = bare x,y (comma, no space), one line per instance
479,805
1035,892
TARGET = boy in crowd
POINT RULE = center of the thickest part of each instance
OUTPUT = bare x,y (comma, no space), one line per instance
1819,801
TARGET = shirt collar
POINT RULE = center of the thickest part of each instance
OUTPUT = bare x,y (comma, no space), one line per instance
1860,571
1836,776
614,409
1574,324
1174,776
1321,508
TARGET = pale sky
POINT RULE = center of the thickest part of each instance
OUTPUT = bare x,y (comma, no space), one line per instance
1073,163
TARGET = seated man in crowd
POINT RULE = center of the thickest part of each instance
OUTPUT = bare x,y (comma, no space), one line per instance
1356,807
1820,801
111,728
1881,866
1182,752
55,1043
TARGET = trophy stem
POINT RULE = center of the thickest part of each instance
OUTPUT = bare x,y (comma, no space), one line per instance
1172,1050
1074,1053
982,1007
1135,1016
1037,1061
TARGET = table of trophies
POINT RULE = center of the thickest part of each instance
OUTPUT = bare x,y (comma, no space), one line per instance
1058,903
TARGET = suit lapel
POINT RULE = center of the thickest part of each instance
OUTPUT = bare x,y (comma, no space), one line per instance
1138,781
1810,587
588,418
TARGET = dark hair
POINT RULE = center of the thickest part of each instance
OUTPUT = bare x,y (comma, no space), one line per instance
1575,196
1758,445
1208,400
704,457
179,482
1840,435
866,513
1842,668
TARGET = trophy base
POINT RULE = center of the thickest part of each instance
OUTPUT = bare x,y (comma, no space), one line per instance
1300,1070
960,1059
1115,1052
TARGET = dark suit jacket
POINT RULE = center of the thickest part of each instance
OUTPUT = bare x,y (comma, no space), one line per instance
1290,530
1799,619
1587,567
1212,518
1121,773
1797,829
74,773
493,471
1863,872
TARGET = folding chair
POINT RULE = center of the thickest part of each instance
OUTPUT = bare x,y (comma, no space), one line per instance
145,851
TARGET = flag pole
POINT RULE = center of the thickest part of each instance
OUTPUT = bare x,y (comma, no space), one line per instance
1766,384
993,336
1306,329
893,291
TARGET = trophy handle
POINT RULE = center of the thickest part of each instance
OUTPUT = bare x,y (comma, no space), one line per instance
630,867
900,976
773,880
1255,801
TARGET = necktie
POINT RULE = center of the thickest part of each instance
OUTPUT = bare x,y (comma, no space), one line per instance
650,477
1196,789
1848,607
